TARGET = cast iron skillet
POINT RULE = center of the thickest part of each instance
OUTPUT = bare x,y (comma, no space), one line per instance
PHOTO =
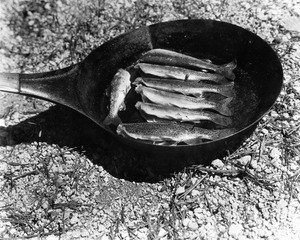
82,86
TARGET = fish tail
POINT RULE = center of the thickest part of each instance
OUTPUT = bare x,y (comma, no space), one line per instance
222,120
115,120
227,90
227,70
223,108
225,132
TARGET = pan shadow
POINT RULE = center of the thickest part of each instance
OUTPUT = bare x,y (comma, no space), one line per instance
65,127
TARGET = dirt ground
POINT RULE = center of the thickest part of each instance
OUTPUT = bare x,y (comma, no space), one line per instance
63,178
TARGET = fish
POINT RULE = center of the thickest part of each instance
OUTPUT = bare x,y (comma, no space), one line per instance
119,88
180,114
186,87
167,57
179,73
170,133
182,101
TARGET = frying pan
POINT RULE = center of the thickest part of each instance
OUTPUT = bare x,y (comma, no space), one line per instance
82,86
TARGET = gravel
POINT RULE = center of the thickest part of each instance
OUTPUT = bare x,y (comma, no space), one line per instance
56,184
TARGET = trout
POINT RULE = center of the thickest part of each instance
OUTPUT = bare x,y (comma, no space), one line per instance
119,88
167,57
186,87
180,73
170,133
180,114
182,101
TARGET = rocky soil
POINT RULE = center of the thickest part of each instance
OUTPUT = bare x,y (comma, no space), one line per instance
61,179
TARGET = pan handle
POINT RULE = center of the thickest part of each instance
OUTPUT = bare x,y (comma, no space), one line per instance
57,86
9,82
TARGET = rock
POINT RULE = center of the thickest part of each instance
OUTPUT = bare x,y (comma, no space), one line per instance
52,237
244,160
275,153
105,237
291,23
2,122
162,232
185,222
15,116
74,219
265,131
180,190
195,193
235,230
217,163
254,164
193,225
286,115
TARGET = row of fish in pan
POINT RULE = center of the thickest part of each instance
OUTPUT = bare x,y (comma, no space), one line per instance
175,93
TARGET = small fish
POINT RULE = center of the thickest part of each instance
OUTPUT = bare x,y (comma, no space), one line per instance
119,87
180,73
181,114
167,57
170,133
186,87
182,101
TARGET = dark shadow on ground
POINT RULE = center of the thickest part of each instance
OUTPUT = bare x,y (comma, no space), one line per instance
65,127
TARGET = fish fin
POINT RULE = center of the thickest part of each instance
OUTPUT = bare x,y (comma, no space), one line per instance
116,120
193,141
198,95
222,107
186,77
225,133
226,69
122,107
207,60
138,105
139,88
137,81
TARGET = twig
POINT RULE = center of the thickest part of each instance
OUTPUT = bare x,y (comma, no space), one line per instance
191,188
220,172
34,172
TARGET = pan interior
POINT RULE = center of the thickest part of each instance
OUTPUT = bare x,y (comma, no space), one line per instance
258,73
243,104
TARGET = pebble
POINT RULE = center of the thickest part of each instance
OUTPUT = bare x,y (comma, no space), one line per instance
193,225
185,222
74,219
162,232
235,230
180,190
195,193
254,164
275,153
286,115
217,163
265,131
52,237
15,116
244,160
2,122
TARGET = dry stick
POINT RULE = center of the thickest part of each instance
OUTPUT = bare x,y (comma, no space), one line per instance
192,187
225,172
34,172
